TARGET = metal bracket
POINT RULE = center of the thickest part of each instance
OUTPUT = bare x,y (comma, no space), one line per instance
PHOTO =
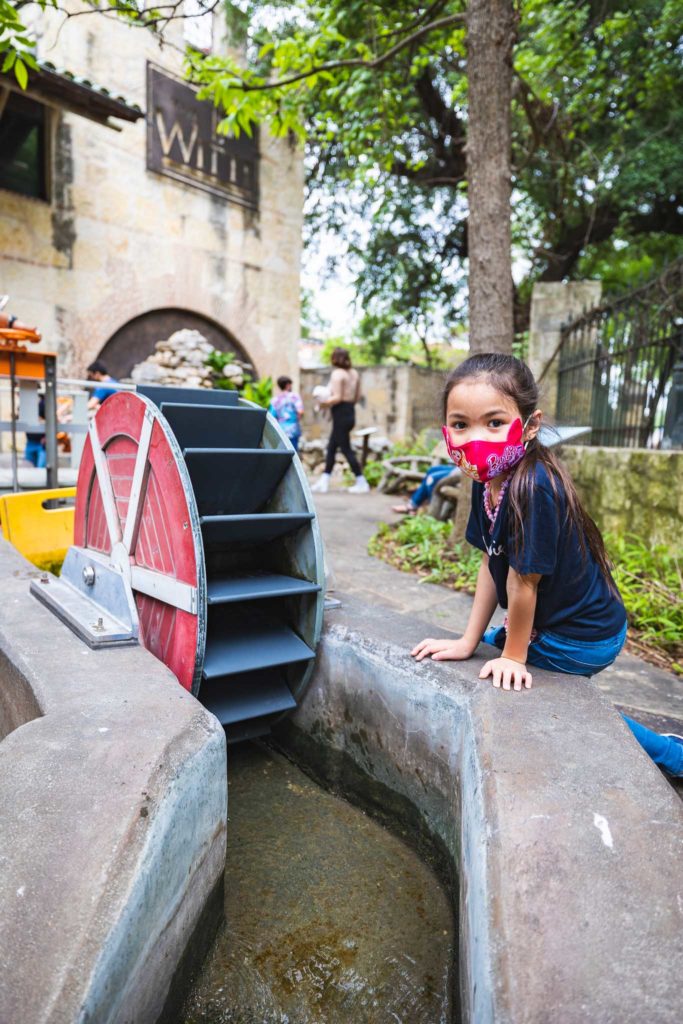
92,597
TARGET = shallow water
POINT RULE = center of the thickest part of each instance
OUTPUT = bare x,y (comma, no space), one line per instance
331,919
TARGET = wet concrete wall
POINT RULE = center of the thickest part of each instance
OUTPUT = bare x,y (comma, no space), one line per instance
18,703
113,810
564,837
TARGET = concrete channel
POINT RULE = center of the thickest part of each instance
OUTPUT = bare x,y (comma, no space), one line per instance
562,839
330,917
559,841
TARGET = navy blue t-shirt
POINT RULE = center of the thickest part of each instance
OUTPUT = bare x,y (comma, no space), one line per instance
573,599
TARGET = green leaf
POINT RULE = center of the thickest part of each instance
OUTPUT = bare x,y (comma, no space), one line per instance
21,73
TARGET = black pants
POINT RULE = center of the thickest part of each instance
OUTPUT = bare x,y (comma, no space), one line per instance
343,422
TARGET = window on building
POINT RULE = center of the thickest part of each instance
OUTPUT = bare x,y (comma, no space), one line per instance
23,146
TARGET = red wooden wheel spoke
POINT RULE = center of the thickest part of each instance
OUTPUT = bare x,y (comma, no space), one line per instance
139,484
136,504
105,486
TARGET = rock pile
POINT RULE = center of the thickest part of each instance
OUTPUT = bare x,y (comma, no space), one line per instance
181,361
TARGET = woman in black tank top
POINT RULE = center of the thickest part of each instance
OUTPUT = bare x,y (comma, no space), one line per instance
345,392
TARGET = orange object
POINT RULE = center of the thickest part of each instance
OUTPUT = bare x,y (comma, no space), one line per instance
11,336
26,364
17,362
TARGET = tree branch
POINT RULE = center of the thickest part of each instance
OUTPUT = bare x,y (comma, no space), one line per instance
435,107
352,62
427,13
121,11
599,224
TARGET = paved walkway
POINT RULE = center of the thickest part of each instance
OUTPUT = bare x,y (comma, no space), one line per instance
653,696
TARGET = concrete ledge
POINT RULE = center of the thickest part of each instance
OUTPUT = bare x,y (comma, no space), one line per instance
18,704
113,794
566,838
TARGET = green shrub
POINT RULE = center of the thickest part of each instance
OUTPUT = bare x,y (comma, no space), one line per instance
373,472
422,444
651,584
260,392
420,544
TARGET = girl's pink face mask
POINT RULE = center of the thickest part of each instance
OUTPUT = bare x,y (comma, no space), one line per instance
482,460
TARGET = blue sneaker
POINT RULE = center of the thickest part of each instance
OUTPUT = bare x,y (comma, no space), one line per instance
679,740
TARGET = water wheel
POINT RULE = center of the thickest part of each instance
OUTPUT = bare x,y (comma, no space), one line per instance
195,535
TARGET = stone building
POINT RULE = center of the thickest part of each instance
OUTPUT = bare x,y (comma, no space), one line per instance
113,239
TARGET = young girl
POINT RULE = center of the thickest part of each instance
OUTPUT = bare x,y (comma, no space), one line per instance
288,410
544,559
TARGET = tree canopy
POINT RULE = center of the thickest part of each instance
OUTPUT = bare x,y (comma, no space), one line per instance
379,92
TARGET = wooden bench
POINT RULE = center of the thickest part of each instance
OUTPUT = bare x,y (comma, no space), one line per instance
444,499
401,470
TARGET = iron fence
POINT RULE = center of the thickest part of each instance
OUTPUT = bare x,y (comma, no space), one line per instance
621,367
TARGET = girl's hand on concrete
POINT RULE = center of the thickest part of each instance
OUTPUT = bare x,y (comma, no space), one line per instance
509,674
443,650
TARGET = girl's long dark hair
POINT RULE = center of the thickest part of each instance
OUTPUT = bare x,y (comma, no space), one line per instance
514,379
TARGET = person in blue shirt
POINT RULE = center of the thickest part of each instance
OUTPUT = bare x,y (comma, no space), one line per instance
35,452
544,560
98,371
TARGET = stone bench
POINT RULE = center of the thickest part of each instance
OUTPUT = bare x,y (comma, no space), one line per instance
113,821
563,840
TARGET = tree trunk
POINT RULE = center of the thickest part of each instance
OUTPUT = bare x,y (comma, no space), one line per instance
490,37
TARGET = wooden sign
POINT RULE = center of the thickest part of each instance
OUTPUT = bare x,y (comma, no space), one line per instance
182,142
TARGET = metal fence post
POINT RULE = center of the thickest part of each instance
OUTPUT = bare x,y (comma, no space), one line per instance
51,453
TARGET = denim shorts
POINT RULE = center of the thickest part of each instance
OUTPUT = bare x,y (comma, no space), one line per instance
563,653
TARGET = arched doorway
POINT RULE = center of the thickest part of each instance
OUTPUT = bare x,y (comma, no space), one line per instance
135,341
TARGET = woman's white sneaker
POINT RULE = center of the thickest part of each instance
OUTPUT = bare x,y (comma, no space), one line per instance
323,484
361,486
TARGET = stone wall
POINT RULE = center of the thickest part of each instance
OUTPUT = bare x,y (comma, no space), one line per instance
631,490
398,400
117,241
553,305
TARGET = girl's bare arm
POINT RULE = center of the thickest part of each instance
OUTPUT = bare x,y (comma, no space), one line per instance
485,602
522,593
509,670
